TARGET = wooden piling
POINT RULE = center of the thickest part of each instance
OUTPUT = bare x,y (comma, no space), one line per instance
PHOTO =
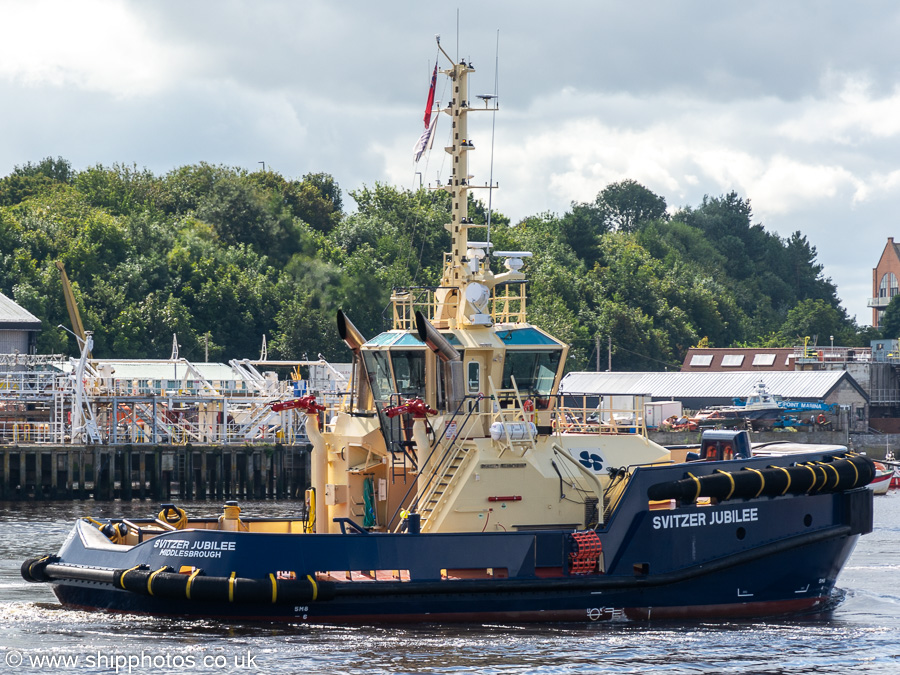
5,485
142,475
129,472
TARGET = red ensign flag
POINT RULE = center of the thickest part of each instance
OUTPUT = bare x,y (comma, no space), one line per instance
430,103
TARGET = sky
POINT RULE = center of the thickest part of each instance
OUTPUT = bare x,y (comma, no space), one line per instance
793,105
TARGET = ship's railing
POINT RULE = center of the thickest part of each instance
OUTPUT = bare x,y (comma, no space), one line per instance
407,301
507,305
570,417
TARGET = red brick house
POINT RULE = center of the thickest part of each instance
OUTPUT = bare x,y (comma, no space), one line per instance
737,359
885,277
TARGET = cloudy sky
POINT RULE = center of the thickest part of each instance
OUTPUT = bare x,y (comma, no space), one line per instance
794,105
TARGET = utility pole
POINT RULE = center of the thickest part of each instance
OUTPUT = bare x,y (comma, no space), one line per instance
610,354
597,340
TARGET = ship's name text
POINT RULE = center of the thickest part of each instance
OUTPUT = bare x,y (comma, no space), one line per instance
187,545
701,518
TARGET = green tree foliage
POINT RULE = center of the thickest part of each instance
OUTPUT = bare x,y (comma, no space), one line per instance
31,179
627,205
813,318
890,320
221,256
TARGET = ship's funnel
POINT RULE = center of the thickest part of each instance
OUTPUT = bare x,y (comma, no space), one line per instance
435,340
453,366
354,339
349,333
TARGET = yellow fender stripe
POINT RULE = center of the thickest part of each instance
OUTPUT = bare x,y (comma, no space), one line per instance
231,587
762,481
815,478
730,480
37,562
855,473
837,476
150,579
122,578
786,473
824,477
187,589
697,483
274,588
315,587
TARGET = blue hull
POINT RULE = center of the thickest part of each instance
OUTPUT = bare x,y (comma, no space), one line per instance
782,584
747,557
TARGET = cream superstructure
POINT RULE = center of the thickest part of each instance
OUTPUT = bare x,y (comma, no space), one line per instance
483,442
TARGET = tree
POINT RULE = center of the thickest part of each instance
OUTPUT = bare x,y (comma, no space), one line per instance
239,213
32,179
628,204
890,320
812,317
582,228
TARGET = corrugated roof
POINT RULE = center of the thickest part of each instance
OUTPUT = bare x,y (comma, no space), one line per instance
815,384
166,370
14,316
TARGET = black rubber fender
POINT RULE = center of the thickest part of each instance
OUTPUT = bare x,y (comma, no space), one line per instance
33,568
166,583
838,475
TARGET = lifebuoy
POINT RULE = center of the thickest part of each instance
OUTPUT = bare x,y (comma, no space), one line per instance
821,419
728,453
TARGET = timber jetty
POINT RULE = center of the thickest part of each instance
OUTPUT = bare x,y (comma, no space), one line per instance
157,472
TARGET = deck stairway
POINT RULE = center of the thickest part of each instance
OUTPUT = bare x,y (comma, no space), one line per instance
447,480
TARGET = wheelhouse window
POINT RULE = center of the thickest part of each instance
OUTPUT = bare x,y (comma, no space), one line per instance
379,368
533,370
407,378
409,371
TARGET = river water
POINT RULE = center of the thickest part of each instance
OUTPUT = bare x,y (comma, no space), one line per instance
860,635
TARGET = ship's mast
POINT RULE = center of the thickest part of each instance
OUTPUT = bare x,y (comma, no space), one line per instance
467,270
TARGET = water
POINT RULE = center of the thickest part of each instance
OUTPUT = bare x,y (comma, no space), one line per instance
37,636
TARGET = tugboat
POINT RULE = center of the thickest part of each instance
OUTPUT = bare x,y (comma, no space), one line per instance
454,486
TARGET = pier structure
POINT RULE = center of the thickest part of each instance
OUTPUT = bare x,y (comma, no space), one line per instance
127,429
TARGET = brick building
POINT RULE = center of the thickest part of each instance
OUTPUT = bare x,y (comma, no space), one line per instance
885,280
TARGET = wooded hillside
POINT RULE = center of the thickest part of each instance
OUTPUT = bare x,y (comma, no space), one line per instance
224,255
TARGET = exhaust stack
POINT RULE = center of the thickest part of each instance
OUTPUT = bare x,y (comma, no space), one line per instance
349,333
354,339
453,370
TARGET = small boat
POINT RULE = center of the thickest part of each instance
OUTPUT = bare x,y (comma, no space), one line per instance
454,484
882,481
760,409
